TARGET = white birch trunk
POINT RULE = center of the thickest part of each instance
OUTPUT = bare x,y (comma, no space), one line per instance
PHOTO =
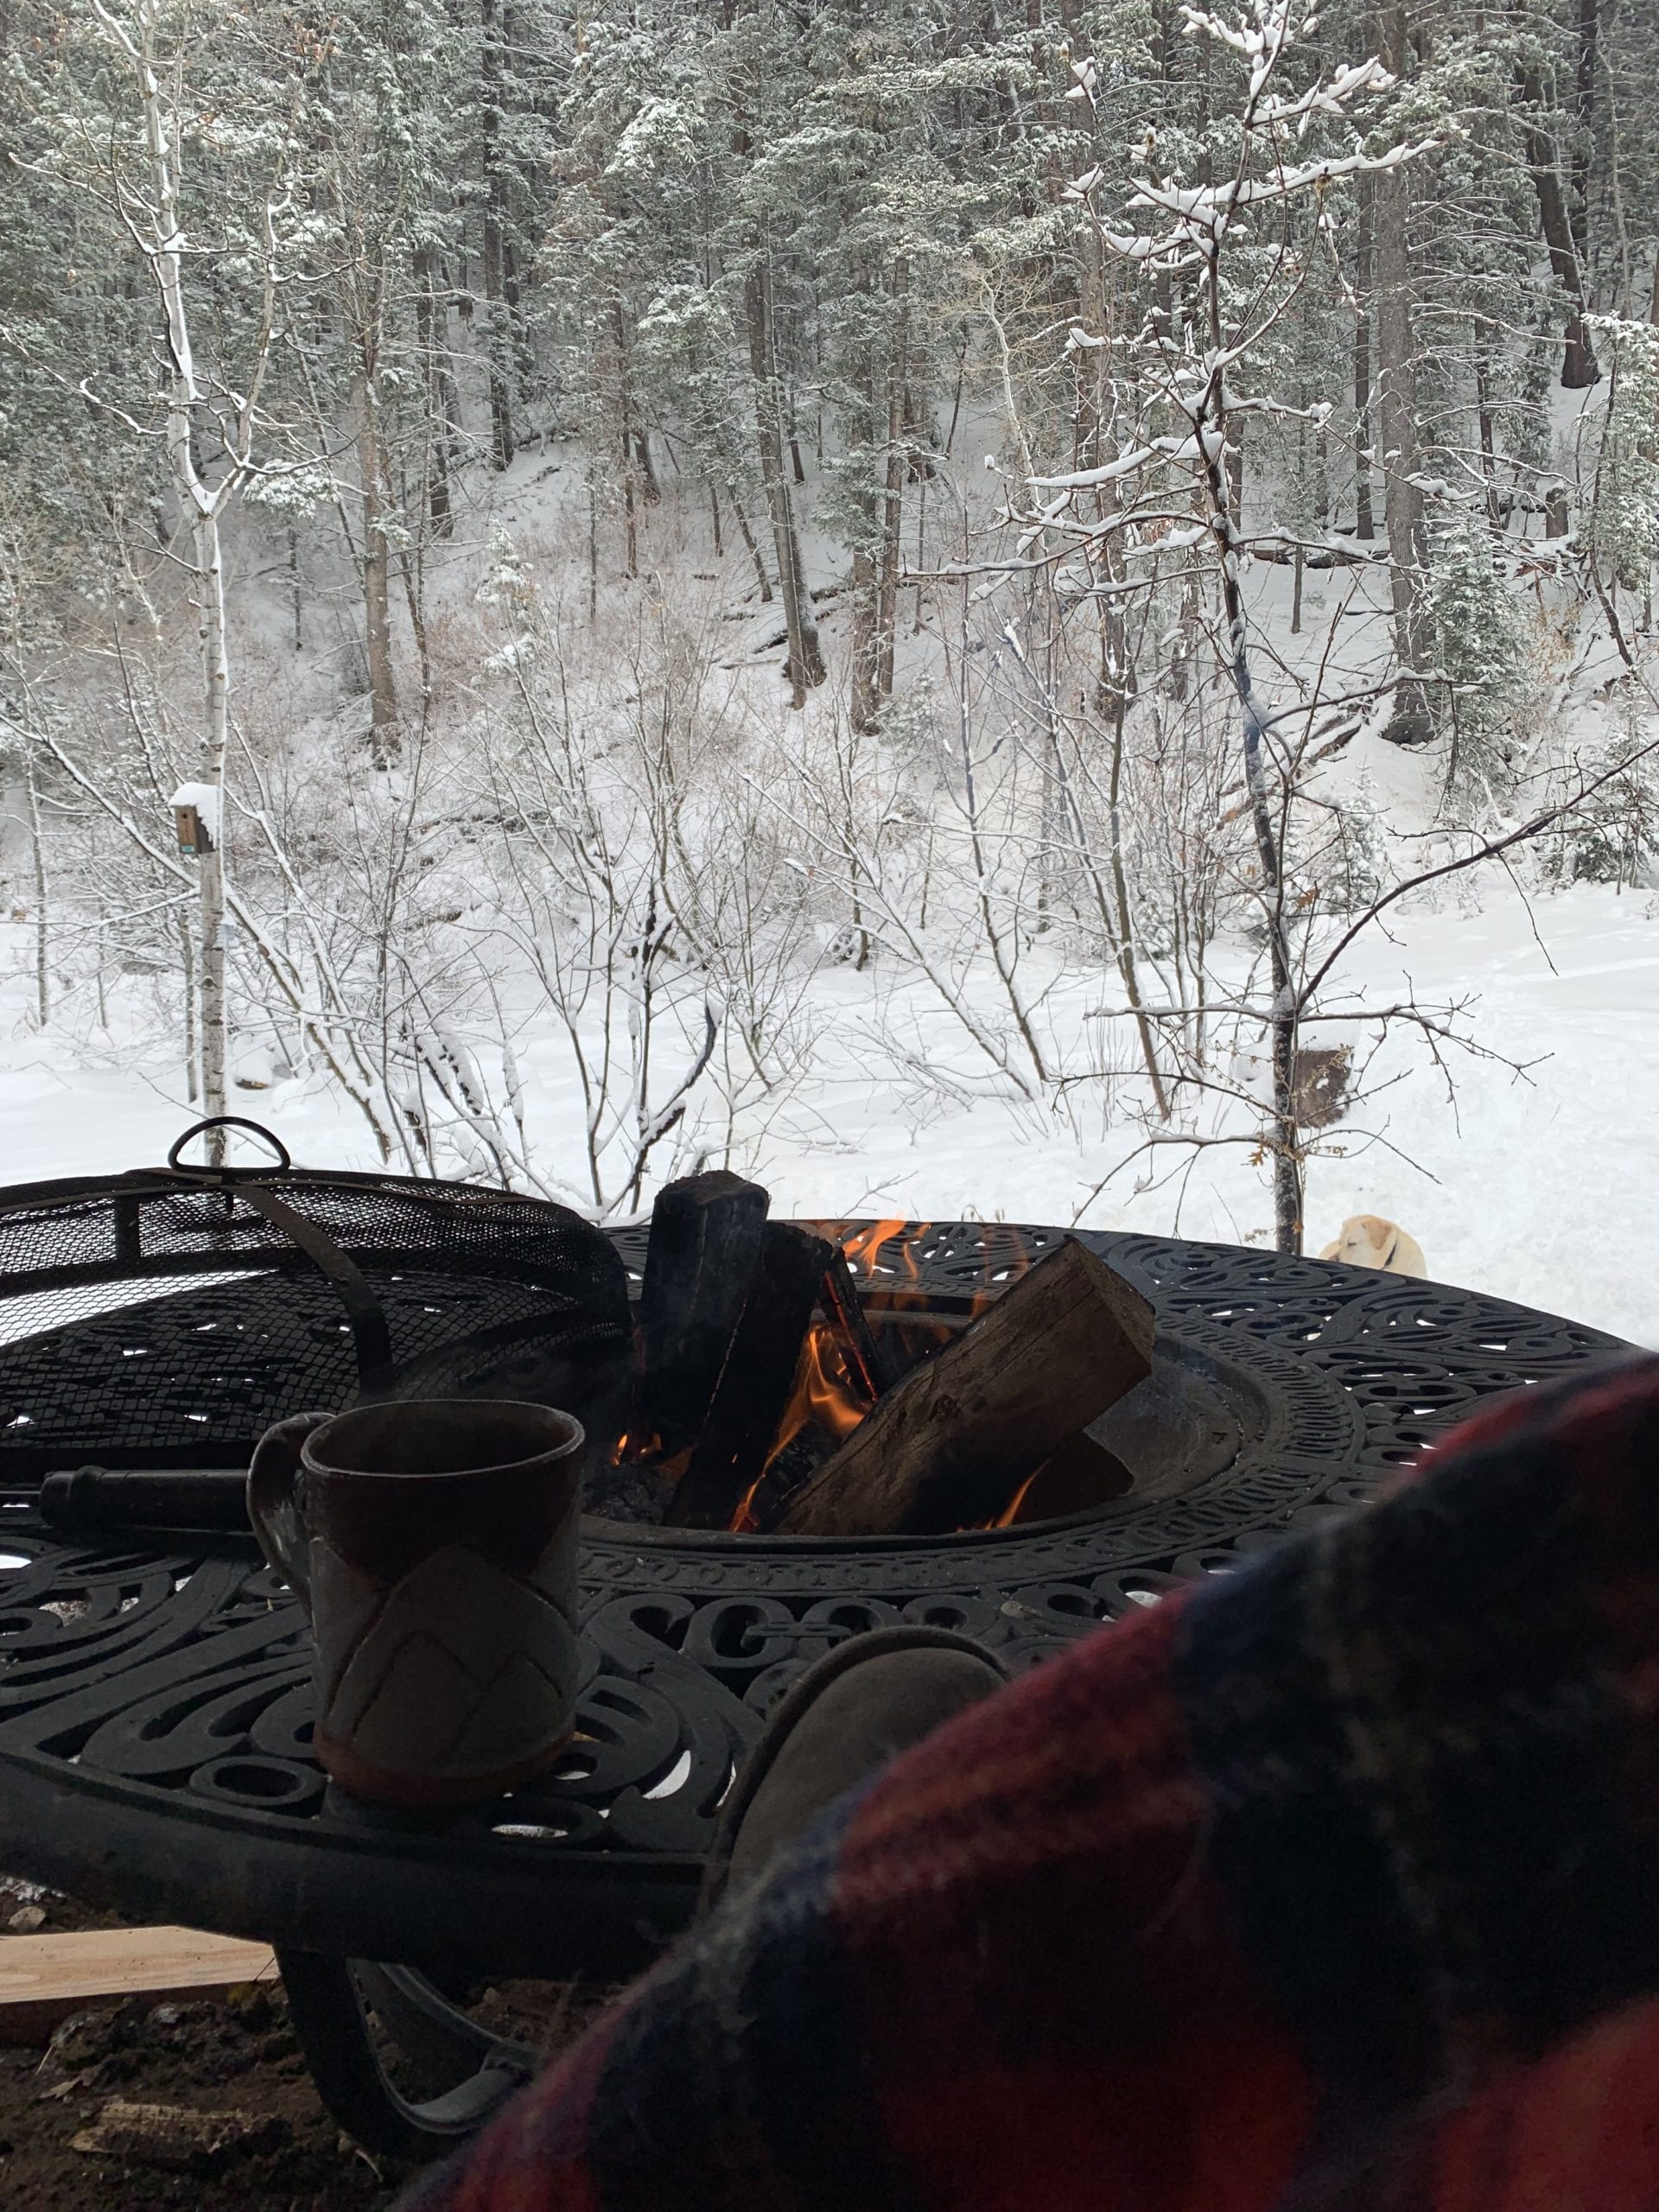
163,250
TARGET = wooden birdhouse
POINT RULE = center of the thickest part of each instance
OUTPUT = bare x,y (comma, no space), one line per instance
194,811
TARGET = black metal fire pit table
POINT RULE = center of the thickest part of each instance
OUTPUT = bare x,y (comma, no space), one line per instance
153,1707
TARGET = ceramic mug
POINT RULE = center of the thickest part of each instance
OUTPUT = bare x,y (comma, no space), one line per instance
433,1545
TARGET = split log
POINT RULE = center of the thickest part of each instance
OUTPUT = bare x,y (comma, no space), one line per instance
855,1339
946,1447
756,1380
705,1244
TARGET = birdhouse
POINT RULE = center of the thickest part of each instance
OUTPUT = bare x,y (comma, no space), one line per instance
195,818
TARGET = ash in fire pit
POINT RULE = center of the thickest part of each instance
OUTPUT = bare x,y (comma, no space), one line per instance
767,1397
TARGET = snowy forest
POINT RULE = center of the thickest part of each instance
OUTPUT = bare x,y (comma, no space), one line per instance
1039,608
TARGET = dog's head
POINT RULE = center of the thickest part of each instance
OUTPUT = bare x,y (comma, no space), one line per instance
1367,1240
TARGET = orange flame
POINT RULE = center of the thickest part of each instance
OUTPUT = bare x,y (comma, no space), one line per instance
823,1397
1010,1512
824,1394
867,1260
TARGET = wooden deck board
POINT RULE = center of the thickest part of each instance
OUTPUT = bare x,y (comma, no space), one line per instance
43,1979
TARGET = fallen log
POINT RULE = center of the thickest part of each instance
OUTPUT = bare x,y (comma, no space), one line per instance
947,1446
705,1243
756,1380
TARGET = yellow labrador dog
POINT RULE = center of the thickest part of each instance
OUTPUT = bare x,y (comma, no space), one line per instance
1367,1240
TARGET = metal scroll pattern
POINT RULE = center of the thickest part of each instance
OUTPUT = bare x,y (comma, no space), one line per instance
186,1676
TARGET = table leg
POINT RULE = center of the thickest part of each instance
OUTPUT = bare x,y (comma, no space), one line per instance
329,2000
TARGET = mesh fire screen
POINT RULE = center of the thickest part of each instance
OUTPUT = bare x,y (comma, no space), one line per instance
166,1317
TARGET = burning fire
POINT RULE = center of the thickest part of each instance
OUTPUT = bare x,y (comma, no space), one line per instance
827,1402
864,1251
825,1394
826,1397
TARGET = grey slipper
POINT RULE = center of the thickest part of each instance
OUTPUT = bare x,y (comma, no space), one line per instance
854,1709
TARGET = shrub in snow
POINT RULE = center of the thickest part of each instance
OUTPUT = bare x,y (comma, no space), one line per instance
1613,836
505,581
1482,647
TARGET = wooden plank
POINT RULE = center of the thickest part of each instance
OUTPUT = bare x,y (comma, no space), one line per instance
43,1979
705,1244
947,1446
756,1380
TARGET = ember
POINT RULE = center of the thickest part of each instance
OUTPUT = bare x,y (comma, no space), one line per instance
784,1384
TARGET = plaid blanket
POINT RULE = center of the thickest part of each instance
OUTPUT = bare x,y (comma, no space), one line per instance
1334,1882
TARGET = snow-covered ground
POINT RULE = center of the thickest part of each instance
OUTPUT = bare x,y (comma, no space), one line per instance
1544,1188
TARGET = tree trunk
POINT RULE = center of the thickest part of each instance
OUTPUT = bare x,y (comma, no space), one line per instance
1487,429
517,337
593,551
439,412
1364,520
164,253
805,655
384,744
1585,89
747,536
497,335
864,705
1579,368
216,686
647,467
625,409
37,851
1412,723
893,510
187,963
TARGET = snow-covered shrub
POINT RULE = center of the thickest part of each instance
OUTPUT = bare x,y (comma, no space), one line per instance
1612,836
1339,862
1483,649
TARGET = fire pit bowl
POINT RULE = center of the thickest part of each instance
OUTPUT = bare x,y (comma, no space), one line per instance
1191,1420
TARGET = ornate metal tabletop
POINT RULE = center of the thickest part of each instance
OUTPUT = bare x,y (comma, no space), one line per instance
153,1707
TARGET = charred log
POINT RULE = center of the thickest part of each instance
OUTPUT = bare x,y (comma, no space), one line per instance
756,1380
706,1233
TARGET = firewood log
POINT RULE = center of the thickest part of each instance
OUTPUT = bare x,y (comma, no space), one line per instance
843,1309
705,1244
756,1380
948,1444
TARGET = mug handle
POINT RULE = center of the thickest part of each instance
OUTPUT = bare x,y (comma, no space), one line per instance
274,1492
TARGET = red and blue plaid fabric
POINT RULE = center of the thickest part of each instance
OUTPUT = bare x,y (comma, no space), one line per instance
1332,1881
